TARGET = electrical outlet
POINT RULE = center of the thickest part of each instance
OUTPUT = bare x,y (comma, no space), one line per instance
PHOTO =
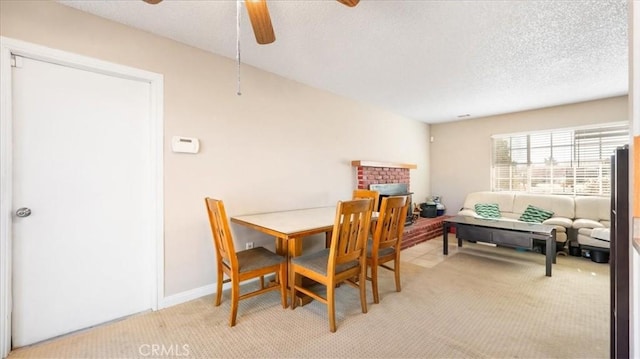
249,245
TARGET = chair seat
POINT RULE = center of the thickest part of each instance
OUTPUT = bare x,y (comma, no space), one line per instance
381,252
255,258
317,262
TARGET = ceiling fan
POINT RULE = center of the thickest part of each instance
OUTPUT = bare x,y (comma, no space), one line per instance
260,19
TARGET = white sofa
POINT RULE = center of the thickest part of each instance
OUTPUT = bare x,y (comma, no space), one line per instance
513,204
574,218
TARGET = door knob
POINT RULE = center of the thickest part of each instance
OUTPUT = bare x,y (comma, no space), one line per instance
23,212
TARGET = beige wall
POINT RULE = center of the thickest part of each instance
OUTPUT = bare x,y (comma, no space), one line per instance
280,145
461,151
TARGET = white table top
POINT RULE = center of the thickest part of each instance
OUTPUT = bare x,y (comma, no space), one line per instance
291,222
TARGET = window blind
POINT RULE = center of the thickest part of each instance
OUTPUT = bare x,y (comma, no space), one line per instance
564,161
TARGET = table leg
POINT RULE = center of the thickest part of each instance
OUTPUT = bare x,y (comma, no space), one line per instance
281,249
281,246
445,238
551,253
327,239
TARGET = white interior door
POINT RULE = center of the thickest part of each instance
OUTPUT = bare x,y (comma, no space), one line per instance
81,164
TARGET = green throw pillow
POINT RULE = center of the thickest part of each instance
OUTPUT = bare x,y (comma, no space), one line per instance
535,215
488,210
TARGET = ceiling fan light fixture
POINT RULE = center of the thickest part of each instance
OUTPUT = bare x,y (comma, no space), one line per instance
349,3
260,21
260,18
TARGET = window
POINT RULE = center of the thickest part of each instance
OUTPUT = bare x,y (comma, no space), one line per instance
565,161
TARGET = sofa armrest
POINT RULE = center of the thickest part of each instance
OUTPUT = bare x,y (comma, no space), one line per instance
586,223
559,221
468,213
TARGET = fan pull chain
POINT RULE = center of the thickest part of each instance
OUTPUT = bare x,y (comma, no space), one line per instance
238,9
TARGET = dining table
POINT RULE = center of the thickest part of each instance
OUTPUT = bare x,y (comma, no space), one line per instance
290,226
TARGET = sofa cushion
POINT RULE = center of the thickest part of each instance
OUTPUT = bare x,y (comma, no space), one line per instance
511,216
560,205
535,214
591,207
601,233
488,210
585,231
503,199
592,242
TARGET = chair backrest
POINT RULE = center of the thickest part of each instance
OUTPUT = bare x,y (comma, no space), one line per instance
391,220
350,232
222,238
365,193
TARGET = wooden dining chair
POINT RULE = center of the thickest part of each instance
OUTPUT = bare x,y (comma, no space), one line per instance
387,239
365,193
360,194
342,262
244,265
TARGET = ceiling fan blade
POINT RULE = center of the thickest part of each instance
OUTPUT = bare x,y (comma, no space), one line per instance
152,2
260,21
349,3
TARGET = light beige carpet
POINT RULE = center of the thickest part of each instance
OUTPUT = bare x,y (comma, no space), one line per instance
479,303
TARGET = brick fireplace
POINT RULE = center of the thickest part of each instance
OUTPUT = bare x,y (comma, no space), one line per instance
372,172
378,174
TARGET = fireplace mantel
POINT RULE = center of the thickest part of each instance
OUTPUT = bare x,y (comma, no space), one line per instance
361,163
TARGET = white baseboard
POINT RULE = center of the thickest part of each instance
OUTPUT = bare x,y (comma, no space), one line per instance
192,294
186,296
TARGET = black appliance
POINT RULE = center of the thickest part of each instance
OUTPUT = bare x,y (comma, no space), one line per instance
428,210
394,189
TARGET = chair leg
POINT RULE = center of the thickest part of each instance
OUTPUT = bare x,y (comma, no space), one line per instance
219,287
292,293
331,306
235,294
283,285
374,282
396,270
363,288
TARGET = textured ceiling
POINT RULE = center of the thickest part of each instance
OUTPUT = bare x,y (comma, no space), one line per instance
427,60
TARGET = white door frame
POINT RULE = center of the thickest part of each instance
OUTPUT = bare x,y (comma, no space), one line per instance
10,47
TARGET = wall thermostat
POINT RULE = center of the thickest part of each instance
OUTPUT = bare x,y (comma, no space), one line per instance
185,144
